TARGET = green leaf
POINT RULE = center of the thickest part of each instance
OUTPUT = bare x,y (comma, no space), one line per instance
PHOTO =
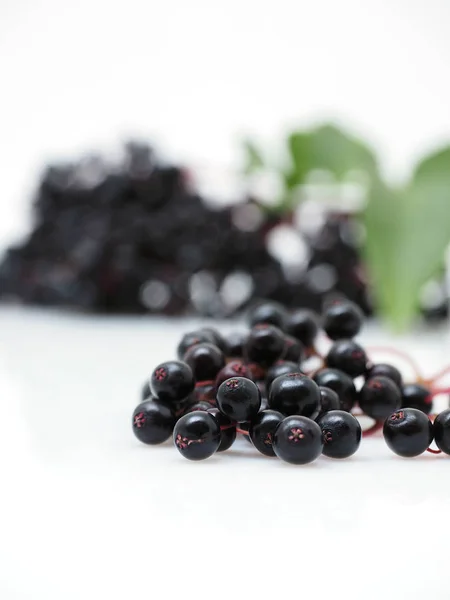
328,148
408,231
253,157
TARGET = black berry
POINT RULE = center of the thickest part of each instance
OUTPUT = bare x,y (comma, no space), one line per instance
386,370
408,432
262,429
347,356
298,440
227,429
191,339
269,313
235,368
341,383
197,435
172,381
417,396
341,434
281,367
293,349
239,399
302,324
216,338
442,431
295,394
265,345
235,343
152,422
205,360
329,400
342,320
379,397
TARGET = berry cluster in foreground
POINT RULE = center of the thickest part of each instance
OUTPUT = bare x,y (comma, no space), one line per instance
259,384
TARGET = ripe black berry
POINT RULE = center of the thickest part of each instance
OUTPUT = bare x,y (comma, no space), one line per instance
239,399
295,394
294,349
235,368
379,397
205,360
347,356
197,435
235,343
216,338
329,400
265,345
442,431
227,429
342,320
408,432
172,381
152,422
417,396
269,313
297,440
341,434
341,383
386,370
191,339
262,429
281,367
302,324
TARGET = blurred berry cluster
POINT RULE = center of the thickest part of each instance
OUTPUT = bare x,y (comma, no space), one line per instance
135,237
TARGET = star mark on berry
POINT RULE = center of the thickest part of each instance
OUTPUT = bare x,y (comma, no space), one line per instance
397,416
268,441
139,420
232,384
184,442
327,437
160,374
297,435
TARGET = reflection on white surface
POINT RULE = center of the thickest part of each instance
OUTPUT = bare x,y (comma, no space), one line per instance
89,513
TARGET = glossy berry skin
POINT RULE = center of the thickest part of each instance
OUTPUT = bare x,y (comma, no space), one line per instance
235,368
341,383
265,345
297,440
417,396
408,432
302,325
191,339
228,433
347,356
293,349
342,320
216,338
172,381
281,367
386,370
329,400
235,343
341,434
269,313
197,435
442,431
152,422
262,429
239,399
204,406
205,360
379,397
295,394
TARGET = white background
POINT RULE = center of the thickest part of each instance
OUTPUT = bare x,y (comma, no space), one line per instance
87,512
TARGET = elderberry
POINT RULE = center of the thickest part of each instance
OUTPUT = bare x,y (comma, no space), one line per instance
341,434
379,397
265,345
442,431
172,381
239,399
342,320
297,440
152,422
347,356
197,435
408,432
205,360
262,428
295,394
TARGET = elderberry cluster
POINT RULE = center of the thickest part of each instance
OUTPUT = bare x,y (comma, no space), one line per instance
259,384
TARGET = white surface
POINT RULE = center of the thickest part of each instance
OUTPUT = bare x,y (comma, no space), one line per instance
195,76
87,512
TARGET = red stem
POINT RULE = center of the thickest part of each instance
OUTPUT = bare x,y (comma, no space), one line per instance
434,451
400,354
440,374
242,431
438,391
